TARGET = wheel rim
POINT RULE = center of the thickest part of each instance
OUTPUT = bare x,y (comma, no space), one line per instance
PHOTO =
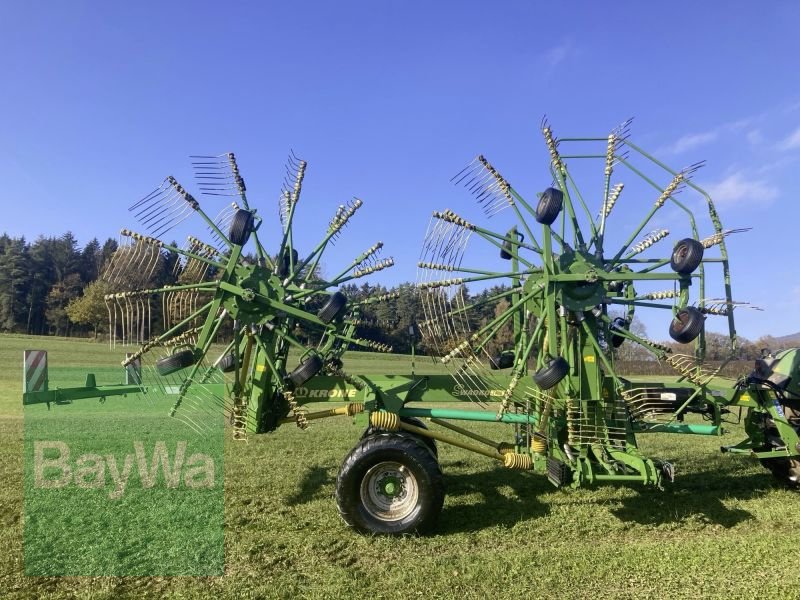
389,491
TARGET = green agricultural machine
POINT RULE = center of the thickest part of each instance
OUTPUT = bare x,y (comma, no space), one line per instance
563,276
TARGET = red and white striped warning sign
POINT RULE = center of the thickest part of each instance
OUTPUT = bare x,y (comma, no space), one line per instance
35,371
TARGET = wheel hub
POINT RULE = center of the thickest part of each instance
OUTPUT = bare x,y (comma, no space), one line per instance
389,491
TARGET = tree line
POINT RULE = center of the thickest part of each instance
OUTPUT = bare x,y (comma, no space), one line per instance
53,287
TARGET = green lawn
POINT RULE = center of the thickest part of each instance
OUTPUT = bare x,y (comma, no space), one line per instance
722,530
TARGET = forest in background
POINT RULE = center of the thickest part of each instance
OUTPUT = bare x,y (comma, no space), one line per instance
53,287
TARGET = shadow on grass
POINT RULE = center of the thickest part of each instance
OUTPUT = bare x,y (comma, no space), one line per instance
314,479
505,499
696,496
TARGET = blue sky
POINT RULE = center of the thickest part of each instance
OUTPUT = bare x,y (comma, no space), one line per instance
388,100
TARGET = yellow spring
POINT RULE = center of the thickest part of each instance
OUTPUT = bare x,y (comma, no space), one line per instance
455,352
517,461
660,295
551,146
298,181
435,266
506,448
612,199
354,408
509,391
652,238
300,419
451,217
668,191
612,142
202,245
238,418
501,181
539,444
373,344
380,298
186,195
369,252
385,420
429,285
384,264
140,238
343,215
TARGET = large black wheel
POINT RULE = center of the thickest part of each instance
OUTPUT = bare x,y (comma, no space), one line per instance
227,363
553,372
175,362
786,470
274,411
508,246
686,325
504,360
619,324
241,227
390,484
430,443
306,370
549,206
686,256
285,264
333,307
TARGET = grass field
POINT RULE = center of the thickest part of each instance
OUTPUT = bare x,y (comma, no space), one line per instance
721,530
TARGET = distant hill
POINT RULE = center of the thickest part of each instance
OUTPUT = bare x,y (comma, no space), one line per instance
793,339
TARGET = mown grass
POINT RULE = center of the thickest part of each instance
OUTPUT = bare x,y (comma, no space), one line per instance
723,529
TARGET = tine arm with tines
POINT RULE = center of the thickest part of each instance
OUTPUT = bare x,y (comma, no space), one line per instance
292,187
343,214
717,238
223,222
650,239
615,141
365,260
163,210
493,191
219,176
672,188
492,237
158,243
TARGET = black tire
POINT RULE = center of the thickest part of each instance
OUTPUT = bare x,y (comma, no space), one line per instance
686,256
686,325
283,266
274,411
306,370
786,470
333,307
549,375
549,206
241,227
390,484
508,245
619,324
227,363
175,362
504,360
429,443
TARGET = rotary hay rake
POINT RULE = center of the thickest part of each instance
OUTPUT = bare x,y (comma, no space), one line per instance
535,350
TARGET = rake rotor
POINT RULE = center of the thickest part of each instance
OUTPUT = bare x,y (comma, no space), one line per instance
560,283
285,321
